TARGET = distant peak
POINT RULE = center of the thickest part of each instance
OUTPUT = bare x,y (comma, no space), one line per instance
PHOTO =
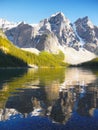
59,17
85,18
58,14
4,21
23,22
85,21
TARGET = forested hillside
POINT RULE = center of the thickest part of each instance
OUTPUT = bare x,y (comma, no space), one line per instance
12,56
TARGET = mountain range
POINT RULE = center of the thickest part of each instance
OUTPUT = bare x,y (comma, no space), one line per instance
56,33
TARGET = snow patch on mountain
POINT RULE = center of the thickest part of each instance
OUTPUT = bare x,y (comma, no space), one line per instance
80,39
75,57
90,24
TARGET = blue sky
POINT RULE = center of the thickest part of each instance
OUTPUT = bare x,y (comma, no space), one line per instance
32,11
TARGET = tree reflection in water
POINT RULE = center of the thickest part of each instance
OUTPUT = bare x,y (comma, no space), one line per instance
34,102
44,97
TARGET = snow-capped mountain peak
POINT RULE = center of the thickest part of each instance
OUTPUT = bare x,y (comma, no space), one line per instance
5,25
60,17
58,13
52,32
85,22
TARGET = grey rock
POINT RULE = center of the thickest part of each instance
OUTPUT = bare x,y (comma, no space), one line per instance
47,42
20,35
48,35
63,29
88,32
52,33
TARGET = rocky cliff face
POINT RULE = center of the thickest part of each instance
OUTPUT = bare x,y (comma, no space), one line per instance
48,35
62,28
55,32
20,35
88,32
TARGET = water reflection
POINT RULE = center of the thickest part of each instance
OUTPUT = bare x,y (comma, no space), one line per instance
55,94
23,101
7,75
79,75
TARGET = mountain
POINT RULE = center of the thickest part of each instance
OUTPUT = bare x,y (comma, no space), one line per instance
54,32
8,54
5,25
88,32
58,33
50,34
12,56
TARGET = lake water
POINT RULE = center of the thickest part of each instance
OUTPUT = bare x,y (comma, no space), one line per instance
49,99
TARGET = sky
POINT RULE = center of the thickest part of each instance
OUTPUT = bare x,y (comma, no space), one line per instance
33,11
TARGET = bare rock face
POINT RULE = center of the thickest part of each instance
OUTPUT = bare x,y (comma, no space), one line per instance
47,42
40,37
54,32
96,31
63,29
88,32
20,35
48,35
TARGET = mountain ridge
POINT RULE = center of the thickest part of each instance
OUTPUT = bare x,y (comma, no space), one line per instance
59,25
57,33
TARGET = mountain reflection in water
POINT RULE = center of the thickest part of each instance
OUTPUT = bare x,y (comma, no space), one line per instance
65,97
